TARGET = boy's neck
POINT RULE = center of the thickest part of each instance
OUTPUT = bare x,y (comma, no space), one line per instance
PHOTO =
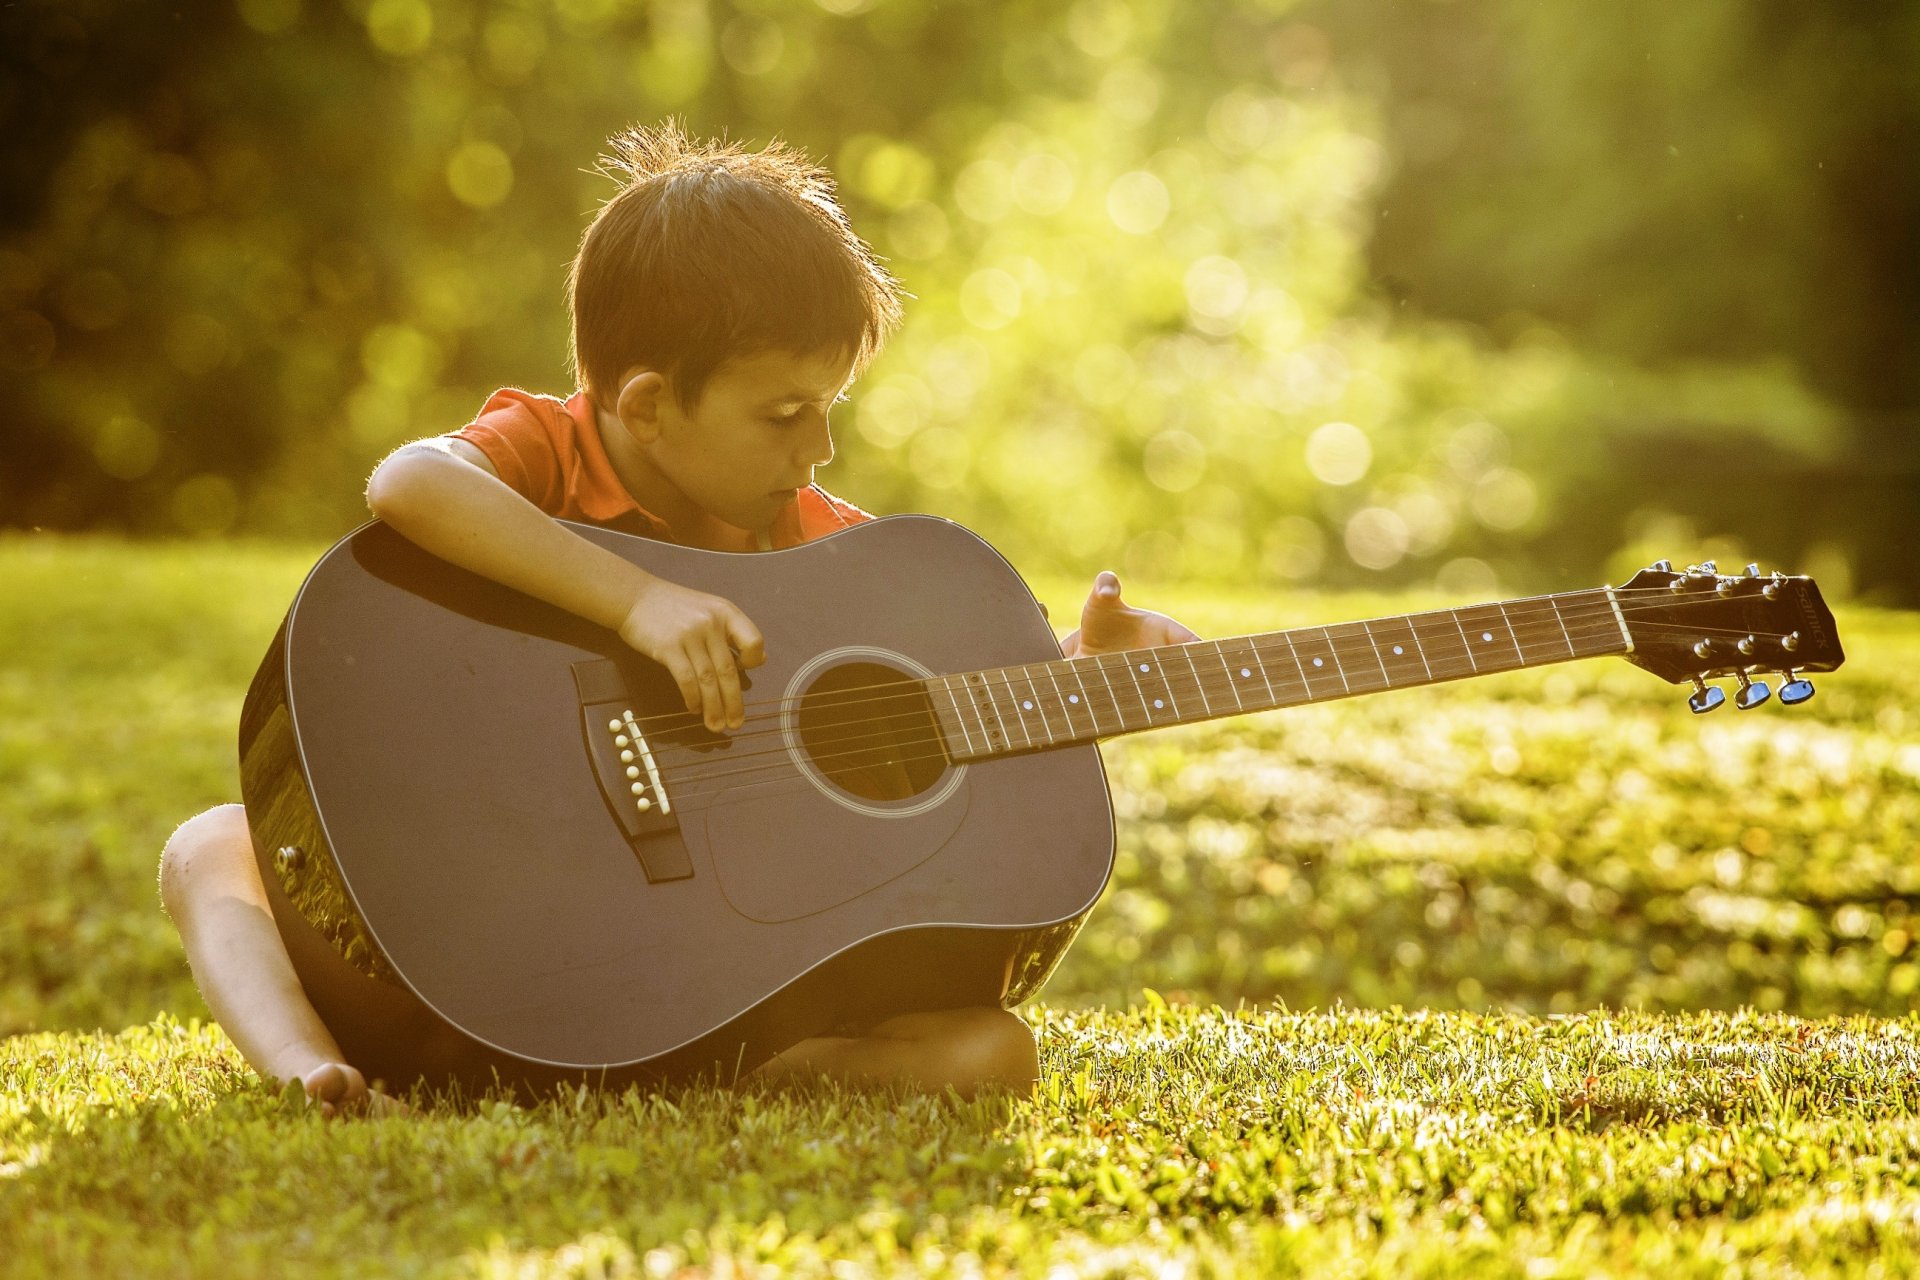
660,497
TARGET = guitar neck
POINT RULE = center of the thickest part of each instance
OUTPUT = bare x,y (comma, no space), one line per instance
1006,711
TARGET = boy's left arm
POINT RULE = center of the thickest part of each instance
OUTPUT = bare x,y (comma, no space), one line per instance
1107,625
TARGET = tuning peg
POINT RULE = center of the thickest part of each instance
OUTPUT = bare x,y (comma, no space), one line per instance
1705,697
1751,693
1795,690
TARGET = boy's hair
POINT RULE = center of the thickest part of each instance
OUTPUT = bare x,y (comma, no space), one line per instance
709,252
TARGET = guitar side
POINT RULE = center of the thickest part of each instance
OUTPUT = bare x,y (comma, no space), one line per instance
449,868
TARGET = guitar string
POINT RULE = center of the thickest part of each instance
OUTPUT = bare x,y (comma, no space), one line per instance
784,773
1597,610
1601,625
1178,684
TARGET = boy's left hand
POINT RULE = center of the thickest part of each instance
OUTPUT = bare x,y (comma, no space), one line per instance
1108,626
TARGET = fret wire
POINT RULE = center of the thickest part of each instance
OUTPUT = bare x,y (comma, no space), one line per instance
1226,667
1338,666
1140,692
1295,651
1086,699
1458,626
1039,703
1200,684
1372,641
1510,634
1061,699
1006,686
1265,679
959,717
1145,717
1419,649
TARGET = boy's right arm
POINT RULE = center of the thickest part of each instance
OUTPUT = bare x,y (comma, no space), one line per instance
445,497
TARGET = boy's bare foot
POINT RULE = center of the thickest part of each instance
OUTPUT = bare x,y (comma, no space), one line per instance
338,1089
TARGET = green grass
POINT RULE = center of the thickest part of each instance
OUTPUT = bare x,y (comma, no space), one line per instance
1511,859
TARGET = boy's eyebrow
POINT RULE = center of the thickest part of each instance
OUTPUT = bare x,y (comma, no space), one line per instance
803,396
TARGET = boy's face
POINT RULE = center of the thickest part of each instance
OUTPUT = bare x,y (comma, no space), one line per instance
755,437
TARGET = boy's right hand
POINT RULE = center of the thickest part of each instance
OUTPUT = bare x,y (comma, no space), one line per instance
696,636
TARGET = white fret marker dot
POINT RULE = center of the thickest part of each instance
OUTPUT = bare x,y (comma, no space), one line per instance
1157,704
1397,651
1073,697
1486,635
1143,666
1318,663
1244,673
1027,706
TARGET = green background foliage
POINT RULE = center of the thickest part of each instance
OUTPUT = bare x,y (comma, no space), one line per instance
1245,290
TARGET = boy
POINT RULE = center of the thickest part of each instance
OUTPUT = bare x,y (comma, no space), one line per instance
721,306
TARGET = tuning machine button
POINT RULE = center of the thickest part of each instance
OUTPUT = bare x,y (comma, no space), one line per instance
1705,697
1661,566
1751,692
1795,690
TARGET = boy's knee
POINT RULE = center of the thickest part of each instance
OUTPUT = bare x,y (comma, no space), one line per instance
209,846
1000,1049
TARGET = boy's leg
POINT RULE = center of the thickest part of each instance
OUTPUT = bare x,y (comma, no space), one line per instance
966,1050
211,888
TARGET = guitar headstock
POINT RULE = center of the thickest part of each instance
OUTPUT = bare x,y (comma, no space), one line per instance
1701,624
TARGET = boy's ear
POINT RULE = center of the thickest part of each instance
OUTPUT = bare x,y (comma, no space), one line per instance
638,405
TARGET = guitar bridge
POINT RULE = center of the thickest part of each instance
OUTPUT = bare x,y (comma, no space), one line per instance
629,776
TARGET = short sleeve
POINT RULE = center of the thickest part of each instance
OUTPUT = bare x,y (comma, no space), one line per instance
510,430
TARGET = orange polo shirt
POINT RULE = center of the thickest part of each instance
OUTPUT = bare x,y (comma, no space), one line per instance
549,452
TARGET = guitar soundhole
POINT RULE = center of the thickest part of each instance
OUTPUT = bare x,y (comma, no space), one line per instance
870,730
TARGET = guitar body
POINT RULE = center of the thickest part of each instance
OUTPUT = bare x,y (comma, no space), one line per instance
470,894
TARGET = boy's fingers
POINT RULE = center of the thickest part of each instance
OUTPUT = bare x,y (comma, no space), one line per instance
747,639
682,672
727,705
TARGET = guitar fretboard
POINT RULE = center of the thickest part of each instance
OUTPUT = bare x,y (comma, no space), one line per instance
1041,705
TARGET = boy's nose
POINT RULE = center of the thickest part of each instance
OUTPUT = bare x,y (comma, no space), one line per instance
818,451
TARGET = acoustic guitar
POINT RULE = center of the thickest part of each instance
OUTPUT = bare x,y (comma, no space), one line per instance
500,850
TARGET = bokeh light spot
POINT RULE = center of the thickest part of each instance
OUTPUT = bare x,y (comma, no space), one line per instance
195,343
990,299
1338,453
1376,538
1216,293
205,504
1042,184
479,174
1504,499
1175,461
1138,202
126,448
751,45
400,27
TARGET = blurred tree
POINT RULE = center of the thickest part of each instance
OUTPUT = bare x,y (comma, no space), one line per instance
1725,180
247,247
